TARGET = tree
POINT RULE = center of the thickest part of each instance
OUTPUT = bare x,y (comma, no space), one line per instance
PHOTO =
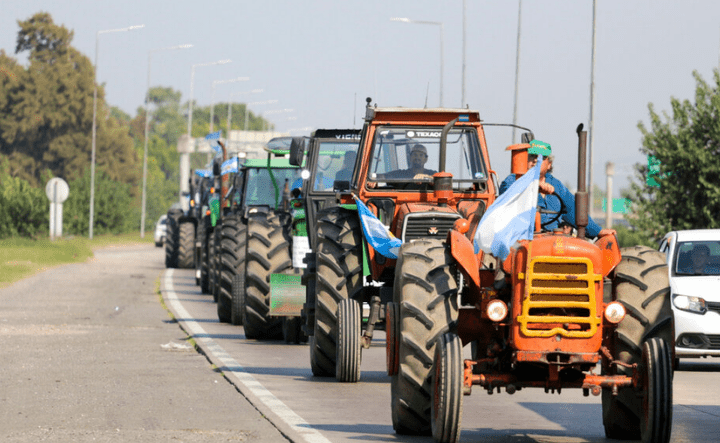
687,147
46,110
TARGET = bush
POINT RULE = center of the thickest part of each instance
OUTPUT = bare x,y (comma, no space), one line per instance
24,210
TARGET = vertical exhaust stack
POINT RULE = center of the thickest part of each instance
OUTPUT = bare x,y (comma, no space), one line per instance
442,181
581,197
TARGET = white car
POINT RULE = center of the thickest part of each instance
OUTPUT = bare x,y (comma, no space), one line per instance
161,230
693,259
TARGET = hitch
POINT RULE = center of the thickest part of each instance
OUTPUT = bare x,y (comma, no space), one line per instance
374,317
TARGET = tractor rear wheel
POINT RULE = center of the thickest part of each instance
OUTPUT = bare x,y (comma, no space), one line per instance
338,277
641,285
171,242
347,367
446,412
268,253
425,291
233,238
186,245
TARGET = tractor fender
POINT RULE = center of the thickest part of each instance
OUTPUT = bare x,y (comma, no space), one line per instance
610,253
464,254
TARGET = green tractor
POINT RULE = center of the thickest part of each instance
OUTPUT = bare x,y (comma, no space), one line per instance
254,241
331,157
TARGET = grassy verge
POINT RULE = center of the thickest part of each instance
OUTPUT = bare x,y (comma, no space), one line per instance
21,257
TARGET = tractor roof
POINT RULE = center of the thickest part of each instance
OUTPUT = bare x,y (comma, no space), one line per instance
430,115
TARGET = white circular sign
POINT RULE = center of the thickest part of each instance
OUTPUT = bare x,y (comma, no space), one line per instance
57,190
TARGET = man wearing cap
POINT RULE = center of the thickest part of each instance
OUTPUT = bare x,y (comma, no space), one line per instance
551,191
418,158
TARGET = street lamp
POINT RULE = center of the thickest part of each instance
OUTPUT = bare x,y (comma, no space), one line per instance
229,113
426,22
212,99
517,69
192,87
94,130
147,130
266,102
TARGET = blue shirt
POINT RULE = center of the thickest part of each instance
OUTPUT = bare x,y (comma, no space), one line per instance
552,203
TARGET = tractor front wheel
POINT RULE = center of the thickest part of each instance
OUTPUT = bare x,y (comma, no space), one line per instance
425,296
446,412
347,367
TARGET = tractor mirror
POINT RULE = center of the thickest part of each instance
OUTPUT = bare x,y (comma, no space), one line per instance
341,185
216,169
297,151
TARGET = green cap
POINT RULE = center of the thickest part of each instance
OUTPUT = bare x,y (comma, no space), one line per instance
538,147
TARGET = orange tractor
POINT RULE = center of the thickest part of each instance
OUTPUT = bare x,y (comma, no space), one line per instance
560,312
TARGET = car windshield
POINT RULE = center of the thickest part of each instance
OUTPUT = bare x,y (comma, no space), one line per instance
404,153
697,258
260,189
336,161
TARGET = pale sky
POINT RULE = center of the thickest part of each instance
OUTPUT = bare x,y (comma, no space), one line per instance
321,58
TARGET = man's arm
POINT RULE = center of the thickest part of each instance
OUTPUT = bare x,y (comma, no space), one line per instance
593,229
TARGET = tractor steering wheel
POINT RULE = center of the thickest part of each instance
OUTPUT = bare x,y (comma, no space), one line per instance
558,214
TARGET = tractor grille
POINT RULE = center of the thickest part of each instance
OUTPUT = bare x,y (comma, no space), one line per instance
714,341
560,298
427,225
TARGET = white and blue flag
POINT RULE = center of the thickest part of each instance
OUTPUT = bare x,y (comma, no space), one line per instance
213,136
230,165
203,172
511,217
377,235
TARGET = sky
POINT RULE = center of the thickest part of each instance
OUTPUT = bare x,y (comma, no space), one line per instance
322,58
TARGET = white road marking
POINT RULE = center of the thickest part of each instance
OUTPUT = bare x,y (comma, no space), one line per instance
235,370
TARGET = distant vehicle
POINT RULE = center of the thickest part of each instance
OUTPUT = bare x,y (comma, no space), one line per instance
161,230
693,258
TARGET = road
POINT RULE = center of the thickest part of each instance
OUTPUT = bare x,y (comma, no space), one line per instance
91,354
277,378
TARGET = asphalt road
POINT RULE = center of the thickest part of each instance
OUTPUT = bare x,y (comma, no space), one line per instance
91,354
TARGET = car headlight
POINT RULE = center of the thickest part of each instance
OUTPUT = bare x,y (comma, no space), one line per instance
690,303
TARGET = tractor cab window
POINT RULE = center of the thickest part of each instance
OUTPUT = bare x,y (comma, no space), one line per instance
335,161
403,155
697,258
260,190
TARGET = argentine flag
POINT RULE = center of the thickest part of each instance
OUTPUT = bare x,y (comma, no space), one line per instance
203,173
214,136
511,217
377,235
229,166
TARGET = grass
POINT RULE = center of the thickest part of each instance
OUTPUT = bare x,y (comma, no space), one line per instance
22,257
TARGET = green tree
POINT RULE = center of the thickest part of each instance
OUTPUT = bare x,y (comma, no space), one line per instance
687,146
23,208
113,210
46,118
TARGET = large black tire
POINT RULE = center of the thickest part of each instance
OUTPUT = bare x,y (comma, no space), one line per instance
215,260
425,290
641,285
211,264
172,242
347,367
204,262
338,277
656,422
446,412
238,298
268,247
197,251
233,239
186,245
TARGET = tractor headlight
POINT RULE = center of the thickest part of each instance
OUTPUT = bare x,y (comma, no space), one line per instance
496,310
690,303
615,312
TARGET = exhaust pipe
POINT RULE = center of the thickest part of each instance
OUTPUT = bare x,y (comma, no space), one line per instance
581,197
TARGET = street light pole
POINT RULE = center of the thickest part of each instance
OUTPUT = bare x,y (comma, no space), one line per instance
94,127
212,99
442,32
517,69
229,113
591,132
147,131
192,88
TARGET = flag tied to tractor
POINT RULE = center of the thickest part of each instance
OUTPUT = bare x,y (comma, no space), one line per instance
511,217
377,235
